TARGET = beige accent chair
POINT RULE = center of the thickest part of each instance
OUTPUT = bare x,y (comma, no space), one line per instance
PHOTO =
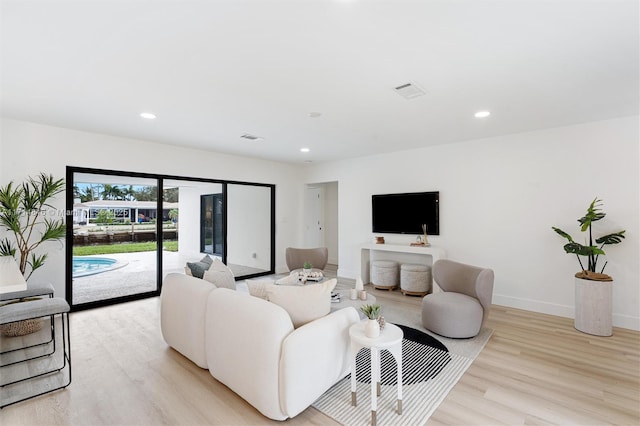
462,307
296,257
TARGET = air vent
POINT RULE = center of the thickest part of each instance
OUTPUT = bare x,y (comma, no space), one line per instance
251,137
409,90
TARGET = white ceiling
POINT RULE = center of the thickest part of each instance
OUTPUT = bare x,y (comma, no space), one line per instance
213,70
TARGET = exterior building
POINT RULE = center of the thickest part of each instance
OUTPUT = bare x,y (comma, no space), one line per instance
124,211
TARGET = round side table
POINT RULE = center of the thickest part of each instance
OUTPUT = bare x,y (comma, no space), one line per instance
391,339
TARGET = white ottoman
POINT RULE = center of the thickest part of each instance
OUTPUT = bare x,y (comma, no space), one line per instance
384,274
415,280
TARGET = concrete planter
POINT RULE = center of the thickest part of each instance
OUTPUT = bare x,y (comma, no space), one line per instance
593,307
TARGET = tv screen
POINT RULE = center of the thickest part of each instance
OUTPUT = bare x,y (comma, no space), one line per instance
406,213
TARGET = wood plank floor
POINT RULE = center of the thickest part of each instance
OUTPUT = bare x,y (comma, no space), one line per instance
536,369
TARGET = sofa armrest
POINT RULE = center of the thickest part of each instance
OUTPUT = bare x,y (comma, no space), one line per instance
183,304
244,336
314,358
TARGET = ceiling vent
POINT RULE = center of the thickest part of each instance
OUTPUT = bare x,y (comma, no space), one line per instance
251,137
409,90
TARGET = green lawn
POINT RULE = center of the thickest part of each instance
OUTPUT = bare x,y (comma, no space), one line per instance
122,248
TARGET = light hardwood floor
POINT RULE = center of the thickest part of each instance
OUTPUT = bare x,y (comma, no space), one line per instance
536,369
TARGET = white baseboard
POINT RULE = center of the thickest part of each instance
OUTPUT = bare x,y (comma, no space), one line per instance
624,321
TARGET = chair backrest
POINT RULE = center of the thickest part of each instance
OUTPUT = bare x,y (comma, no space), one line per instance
295,257
473,281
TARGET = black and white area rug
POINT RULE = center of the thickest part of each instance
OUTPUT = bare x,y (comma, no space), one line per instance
430,368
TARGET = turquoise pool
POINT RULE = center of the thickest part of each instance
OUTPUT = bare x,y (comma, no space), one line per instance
83,266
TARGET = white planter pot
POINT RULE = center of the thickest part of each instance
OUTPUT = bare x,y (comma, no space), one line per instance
372,329
593,307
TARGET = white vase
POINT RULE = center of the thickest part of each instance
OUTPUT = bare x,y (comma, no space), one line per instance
593,307
372,329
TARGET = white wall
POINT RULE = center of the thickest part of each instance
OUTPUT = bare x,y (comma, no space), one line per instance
499,198
189,217
28,149
248,221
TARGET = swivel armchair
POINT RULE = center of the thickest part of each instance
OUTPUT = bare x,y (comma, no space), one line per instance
296,257
462,307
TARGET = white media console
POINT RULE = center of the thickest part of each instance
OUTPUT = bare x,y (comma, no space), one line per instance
399,253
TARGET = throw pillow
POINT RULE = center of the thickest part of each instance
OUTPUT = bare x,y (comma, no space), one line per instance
220,275
258,288
303,303
198,269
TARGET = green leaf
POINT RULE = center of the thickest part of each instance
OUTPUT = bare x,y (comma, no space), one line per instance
614,238
594,213
579,249
562,233
7,248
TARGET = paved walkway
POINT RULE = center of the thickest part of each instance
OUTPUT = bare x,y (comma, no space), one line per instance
138,276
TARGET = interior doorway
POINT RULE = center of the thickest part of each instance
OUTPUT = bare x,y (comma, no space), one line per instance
321,218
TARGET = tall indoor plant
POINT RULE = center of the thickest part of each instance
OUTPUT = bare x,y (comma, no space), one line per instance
30,220
593,289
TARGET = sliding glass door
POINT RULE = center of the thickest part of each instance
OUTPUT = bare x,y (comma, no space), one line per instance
125,231
114,243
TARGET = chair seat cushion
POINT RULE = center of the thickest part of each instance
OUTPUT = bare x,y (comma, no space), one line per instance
452,314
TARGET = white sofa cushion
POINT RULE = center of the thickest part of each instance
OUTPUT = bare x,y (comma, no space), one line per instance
243,346
220,275
258,288
183,304
304,303
314,357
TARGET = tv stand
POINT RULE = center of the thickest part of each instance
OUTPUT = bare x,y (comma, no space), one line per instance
400,253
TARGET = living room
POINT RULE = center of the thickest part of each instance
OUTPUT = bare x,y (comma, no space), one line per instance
500,193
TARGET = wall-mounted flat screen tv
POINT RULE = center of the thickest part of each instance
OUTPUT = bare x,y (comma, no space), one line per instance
406,213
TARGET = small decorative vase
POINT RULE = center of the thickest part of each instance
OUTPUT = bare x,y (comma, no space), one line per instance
372,328
306,271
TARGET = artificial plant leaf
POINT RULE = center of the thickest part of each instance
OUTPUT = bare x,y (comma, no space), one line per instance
7,248
36,261
594,213
579,249
562,233
614,238
54,230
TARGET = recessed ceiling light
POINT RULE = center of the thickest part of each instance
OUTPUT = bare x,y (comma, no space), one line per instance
482,114
148,115
315,114
304,150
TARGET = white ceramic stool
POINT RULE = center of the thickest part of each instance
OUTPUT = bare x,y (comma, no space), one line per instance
415,280
384,274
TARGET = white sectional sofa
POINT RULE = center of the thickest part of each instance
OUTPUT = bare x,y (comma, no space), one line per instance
251,345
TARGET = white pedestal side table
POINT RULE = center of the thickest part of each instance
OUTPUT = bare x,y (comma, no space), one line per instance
391,339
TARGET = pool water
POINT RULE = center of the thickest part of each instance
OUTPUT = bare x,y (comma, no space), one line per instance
83,266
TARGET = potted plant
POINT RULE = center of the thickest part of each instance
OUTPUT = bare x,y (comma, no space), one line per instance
24,212
593,289
372,327
306,267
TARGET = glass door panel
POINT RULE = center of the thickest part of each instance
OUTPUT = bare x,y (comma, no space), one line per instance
186,242
114,246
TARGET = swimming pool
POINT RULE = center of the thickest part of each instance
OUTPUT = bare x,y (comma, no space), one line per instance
83,266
